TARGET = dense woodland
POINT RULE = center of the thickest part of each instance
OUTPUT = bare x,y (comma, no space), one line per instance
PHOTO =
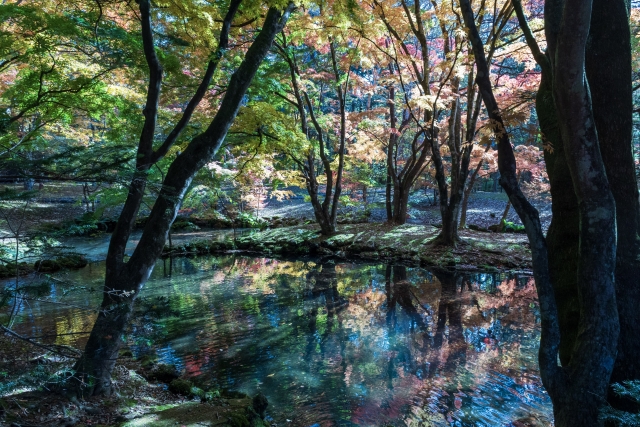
170,109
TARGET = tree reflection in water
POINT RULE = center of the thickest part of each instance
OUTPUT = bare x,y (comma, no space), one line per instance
340,343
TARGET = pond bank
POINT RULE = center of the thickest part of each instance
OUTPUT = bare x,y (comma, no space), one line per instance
409,243
141,398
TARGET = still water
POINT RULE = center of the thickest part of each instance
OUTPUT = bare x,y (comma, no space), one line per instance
331,343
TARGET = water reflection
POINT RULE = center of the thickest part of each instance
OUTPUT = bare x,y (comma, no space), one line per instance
337,343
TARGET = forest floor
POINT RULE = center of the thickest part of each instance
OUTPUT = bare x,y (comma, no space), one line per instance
360,235
57,203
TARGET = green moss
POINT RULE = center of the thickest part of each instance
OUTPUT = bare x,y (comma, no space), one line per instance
72,261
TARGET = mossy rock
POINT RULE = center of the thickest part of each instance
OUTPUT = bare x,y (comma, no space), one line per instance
211,394
125,353
148,360
9,270
238,420
72,261
181,386
46,266
164,373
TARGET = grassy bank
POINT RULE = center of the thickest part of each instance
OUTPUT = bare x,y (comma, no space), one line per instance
412,244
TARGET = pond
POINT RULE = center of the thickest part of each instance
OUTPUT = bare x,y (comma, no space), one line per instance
330,342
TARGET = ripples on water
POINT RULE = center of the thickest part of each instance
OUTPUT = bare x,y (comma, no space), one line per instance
337,343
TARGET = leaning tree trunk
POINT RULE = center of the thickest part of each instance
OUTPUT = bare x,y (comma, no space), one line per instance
93,370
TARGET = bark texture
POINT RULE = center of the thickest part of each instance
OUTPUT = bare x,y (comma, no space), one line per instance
608,71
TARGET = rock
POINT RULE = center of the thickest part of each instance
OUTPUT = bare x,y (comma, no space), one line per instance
46,266
260,404
125,353
324,251
148,360
164,373
72,261
210,395
181,386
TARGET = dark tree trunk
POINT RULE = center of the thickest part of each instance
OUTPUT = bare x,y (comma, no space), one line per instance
460,157
123,281
387,198
608,69
503,218
460,153
578,389
563,233
472,182
400,203
392,179
465,198
465,203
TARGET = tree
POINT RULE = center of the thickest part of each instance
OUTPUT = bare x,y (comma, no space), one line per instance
576,389
124,280
54,92
608,72
411,69
325,210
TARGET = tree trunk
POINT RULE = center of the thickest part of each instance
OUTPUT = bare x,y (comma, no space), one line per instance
608,70
563,233
465,197
400,204
448,235
460,157
465,204
387,198
342,95
607,66
392,179
577,390
503,218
